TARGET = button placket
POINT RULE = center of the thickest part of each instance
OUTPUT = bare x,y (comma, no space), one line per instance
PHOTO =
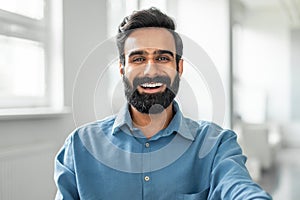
146,176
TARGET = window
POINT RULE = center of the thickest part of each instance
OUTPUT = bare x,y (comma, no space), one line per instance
30,53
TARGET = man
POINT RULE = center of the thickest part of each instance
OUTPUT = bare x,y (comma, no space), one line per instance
150,150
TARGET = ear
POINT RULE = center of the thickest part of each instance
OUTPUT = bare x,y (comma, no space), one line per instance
180,67
121,69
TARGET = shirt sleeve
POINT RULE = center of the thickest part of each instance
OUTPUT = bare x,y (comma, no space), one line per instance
64,174
230,178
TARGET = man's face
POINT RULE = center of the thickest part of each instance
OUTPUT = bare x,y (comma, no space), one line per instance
150,78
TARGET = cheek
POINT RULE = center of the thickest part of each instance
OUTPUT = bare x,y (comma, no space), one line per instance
171,73
131,72
171,69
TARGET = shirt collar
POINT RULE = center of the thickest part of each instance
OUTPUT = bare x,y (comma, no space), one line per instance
179,123
123,118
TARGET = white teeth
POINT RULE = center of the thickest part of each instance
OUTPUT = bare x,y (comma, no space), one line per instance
151,85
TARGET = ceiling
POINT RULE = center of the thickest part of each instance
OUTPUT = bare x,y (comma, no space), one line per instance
260,4
290,7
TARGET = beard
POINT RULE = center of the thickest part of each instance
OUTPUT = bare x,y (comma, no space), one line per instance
151,103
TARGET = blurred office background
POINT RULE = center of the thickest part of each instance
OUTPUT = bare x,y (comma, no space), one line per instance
254,44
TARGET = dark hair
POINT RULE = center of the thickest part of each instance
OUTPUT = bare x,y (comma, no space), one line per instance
151,17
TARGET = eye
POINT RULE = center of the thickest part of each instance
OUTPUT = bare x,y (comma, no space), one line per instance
138,59
163,59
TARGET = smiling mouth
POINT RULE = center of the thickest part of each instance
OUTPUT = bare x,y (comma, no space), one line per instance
152,87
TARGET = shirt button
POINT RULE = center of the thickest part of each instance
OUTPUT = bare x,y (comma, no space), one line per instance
147,178
147,144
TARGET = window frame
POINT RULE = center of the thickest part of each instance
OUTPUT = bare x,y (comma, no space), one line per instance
49,32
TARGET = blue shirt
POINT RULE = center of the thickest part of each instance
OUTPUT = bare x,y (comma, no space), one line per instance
112,160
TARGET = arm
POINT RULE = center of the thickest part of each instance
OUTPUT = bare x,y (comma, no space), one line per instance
230,178
64,174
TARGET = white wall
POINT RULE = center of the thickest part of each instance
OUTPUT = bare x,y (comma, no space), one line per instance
295,74
263,62
84,27
291,130
206,22
27,149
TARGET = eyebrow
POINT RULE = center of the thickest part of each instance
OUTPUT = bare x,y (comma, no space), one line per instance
141,52
164,52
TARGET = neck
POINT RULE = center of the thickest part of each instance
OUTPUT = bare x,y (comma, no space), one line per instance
150,124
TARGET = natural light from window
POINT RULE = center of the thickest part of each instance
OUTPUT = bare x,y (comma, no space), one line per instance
30,8
30,54
21,67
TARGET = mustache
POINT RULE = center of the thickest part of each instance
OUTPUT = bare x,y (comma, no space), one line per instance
157,79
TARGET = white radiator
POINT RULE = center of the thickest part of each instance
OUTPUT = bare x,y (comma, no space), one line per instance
26,172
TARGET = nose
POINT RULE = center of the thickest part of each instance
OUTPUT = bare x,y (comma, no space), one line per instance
151,69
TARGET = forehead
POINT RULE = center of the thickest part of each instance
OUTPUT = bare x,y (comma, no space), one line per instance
150,38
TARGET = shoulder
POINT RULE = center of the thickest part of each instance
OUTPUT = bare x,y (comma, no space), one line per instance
211,137
93,128
206,129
